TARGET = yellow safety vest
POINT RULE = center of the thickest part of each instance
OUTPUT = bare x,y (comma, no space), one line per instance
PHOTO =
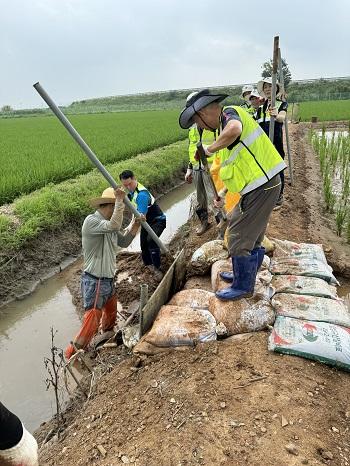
133,196
208,137
253,161
248,108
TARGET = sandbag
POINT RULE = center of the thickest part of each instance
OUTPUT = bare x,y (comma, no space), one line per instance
304,266
224,265
321,341
201,282
195,299
242,316
180,326
311,308
284,248
203,258
296,284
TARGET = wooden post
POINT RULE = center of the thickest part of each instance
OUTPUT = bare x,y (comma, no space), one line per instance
274,85
290,164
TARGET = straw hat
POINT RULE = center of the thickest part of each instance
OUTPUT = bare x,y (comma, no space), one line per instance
195,102
107,197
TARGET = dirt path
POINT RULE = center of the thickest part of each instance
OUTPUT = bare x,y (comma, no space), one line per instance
231,402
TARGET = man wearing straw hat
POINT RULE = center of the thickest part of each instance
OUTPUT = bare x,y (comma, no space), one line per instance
250,165
101,238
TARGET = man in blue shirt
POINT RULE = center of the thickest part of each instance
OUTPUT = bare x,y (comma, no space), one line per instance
146,205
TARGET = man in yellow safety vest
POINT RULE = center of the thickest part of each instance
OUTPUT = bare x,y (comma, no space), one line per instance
250,165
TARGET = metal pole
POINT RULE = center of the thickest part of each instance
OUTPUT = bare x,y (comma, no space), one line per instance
79,140
274,85
290,164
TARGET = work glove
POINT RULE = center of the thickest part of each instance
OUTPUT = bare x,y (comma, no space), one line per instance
189,176
25,453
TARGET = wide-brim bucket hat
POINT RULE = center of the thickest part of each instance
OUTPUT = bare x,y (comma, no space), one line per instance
268,80
195,102
108,197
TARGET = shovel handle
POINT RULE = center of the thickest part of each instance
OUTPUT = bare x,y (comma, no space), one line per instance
79,140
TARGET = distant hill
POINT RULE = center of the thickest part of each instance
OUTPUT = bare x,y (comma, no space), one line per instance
298,91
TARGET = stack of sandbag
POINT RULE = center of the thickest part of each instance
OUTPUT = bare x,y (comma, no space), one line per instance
311,320
184,321
203,258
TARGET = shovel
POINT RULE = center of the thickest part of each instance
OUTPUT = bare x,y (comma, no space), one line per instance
221,214
76,136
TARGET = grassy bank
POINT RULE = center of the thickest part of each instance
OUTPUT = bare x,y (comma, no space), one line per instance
58,204
331,110
38,150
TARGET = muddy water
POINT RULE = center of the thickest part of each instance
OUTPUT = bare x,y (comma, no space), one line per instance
25,340
25,330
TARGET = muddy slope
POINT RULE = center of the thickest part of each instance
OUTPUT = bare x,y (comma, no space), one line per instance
230,402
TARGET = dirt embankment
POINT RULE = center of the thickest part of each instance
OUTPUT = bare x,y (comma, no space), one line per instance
230,402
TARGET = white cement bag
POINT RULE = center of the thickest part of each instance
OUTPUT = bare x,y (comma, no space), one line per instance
324,342
311,251
302,266
311,308
297,284
242,316
179,326
203,258
195,299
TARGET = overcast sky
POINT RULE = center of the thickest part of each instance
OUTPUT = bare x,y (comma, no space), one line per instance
93,48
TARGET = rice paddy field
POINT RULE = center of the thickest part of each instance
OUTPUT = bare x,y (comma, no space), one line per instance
36,151
333,151
328,110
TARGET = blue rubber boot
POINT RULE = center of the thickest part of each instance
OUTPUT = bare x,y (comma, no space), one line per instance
245,268
228,276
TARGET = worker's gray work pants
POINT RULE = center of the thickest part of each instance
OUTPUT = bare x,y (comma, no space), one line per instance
204,192
250,216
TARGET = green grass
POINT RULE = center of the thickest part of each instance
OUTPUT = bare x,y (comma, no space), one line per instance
55,205
330,110
35,151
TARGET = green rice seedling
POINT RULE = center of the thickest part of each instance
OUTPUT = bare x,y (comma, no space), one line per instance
329,196
340,217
